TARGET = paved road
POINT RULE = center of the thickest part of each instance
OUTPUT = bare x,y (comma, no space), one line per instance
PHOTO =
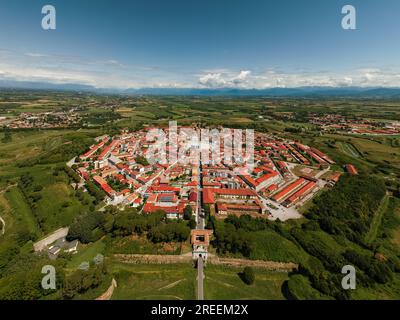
200,278
200,226
199,215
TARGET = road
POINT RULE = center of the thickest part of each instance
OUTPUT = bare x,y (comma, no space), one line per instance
199,213
200,226
200,279
108,294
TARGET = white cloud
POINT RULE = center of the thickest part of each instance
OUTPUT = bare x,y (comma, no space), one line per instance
112,73
368,77
213,80
225,79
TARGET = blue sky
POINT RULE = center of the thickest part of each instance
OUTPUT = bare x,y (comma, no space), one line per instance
207,43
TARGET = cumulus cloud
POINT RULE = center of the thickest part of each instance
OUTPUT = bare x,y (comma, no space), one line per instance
111,73
225,79
367,77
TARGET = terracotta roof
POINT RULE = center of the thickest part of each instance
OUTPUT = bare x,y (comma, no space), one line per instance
208,193
288,189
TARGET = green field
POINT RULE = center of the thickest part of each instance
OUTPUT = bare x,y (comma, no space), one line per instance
21,211
86,253
271,246
349,149
224,283
153,282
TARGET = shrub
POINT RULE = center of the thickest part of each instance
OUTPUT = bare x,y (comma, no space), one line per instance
248,276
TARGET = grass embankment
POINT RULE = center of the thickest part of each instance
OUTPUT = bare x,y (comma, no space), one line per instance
153,282
376,220
224,283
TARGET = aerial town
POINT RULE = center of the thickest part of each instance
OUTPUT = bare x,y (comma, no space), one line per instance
45,120
286,174
352,125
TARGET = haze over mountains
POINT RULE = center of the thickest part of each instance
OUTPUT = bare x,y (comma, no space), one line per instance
370,92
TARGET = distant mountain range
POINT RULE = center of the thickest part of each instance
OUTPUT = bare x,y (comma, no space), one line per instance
358,92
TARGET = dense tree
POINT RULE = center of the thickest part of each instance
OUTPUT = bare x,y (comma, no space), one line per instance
248,275
349,207
81,281
95,191
173,231
84,226
187,213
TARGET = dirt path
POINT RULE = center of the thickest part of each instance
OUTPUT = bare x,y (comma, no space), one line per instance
108,294
3,223
212,259
171,285
268,265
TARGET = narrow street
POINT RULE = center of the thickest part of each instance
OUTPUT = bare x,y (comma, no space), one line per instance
200,226
200,279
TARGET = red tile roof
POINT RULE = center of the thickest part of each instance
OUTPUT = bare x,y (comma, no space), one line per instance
193,196
288,189
351,169
296,196
208,193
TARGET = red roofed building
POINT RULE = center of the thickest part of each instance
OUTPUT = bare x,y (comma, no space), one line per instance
270,189
301,193
289,189
193,196
93,150
107,150
83,173
164,189
263,181
322,155
351,169
211,195
266,180
172,212
104,185
125,192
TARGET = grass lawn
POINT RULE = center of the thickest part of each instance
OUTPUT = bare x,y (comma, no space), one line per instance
86,253
21,210
269,245
58,206
224,283
159,282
